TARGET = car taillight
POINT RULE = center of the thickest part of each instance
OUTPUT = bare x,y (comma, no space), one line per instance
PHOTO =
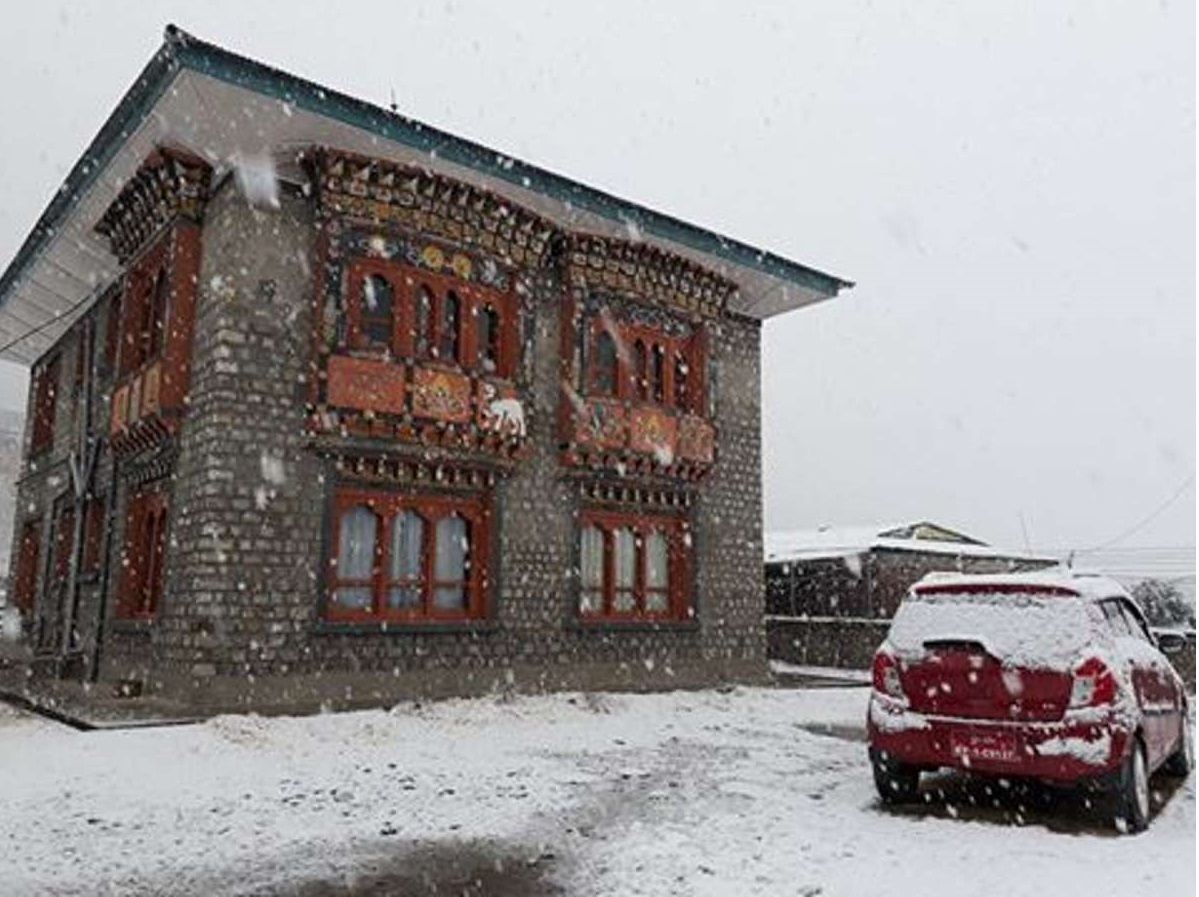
885,675
1094,684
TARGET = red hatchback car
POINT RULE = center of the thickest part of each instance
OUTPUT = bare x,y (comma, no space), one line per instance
1050,675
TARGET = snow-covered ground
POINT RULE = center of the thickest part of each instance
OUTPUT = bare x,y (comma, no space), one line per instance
750,791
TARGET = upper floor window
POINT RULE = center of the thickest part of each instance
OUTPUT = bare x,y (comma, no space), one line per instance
632,566
449,327
112,331
144,316
641,364
411,313
605,373
45,404
406,557
489,338
377,312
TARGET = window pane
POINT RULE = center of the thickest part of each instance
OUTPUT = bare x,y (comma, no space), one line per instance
450,316
450,563
591,569
376,310
681,397
625,547
641,360
626,558
656,573
407,535
489,339
158,314
356,545
358,597
420,336
591,557
605,364
657,374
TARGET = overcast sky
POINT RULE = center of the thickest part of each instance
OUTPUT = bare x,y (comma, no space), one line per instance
1011,185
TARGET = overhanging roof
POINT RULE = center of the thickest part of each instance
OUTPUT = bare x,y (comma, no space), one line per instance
179,98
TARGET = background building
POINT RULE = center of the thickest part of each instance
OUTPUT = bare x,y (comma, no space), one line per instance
831,591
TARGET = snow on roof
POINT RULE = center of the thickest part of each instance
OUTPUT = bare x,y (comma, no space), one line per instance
844,541
1085,584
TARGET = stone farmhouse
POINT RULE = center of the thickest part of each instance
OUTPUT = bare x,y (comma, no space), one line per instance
331,408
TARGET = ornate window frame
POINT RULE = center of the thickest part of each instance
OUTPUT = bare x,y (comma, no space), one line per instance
389,505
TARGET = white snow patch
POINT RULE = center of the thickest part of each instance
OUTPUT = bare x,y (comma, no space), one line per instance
1095,753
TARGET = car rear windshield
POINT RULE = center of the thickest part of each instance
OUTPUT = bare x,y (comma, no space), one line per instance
1020,629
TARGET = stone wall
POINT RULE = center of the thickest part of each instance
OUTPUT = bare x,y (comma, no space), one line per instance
238,625
825,642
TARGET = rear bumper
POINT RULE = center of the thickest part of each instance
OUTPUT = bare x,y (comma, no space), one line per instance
1084,746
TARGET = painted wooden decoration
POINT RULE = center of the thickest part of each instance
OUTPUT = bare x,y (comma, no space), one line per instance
366,384
697,440
602,423
441,395
151,389
653,431
499,409
120,404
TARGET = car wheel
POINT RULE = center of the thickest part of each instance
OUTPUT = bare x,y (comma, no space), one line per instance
1132,791
897,783
1182,761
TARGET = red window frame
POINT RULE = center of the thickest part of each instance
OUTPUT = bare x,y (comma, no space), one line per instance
144,319
647,370
676,531
28,555
143,555
421,310
45,404
431,508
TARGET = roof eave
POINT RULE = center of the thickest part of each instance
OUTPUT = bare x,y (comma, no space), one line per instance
181,50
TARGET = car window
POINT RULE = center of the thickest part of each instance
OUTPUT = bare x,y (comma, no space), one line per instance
1116,620
1134,621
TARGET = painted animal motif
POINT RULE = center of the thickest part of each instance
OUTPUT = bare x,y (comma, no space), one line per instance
504,414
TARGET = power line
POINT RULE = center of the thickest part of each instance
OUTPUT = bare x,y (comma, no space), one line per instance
1189,481
50,323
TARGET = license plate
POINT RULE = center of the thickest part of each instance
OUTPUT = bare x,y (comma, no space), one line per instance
984,745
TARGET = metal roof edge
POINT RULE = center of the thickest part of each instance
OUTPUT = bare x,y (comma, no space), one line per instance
225,65
180,49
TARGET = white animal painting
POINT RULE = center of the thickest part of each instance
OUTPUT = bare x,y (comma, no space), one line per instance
504,414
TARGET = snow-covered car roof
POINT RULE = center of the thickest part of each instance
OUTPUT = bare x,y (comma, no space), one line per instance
1093,586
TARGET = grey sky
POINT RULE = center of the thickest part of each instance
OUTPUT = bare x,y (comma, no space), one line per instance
1012,186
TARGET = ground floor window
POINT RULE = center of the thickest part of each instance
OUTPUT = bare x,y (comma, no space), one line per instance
403,556
633,566
28,554
143,553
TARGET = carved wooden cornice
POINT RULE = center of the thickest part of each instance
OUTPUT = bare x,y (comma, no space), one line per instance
380,193
647,273
169,183
638,497
388,470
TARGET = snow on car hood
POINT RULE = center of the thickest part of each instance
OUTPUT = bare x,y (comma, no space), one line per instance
1018,629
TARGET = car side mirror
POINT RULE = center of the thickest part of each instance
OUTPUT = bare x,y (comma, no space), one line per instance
1167,642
